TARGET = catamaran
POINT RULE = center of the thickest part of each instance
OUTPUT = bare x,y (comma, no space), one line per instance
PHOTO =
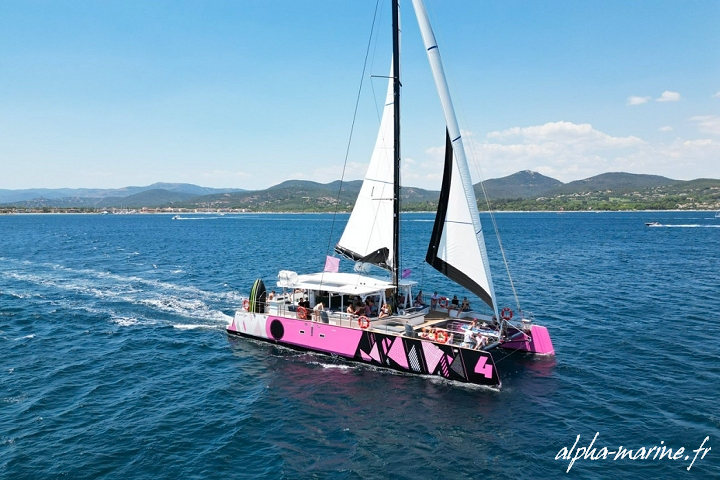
383,322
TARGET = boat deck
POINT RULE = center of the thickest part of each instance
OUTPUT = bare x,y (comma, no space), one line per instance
442,326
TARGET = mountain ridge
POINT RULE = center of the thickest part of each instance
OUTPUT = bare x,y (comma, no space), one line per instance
523,190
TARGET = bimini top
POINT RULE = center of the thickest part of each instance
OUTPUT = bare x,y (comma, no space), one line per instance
337,282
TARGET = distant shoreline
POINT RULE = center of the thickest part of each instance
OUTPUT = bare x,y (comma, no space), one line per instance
148,212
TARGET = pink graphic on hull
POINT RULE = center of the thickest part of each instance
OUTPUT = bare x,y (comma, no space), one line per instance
397,353
374,353
432,355
483,367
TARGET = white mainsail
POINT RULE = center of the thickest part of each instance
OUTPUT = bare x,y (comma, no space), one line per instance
368,236
457,248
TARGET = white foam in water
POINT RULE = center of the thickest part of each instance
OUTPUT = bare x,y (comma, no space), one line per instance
181,326
125,321
337,367
26,337
185,301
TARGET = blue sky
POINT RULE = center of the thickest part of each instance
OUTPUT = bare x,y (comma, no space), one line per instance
248,94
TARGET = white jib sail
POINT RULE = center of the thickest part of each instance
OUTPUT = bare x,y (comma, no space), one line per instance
462,243
370,226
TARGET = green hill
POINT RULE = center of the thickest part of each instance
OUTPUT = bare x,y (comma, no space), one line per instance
525,184
524,190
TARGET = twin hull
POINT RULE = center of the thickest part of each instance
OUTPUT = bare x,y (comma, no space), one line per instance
381,349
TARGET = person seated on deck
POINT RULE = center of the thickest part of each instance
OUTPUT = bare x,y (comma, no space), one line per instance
434,301
368,307
465,307
385,311
271,295
480,341
454,303
304,303
419,301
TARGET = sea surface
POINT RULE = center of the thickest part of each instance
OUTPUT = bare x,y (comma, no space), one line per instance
114,361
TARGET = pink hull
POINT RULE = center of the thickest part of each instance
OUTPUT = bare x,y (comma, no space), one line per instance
388,350
537,342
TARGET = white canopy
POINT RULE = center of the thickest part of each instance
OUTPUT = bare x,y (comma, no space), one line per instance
343,283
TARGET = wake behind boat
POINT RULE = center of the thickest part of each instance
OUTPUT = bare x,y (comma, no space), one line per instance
388,322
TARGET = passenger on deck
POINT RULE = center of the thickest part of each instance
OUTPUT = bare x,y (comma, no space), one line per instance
480,341
304,303
467,338
455,303
434,301
271,295
385,311
469,334
465,307
368,307
419,301
316,311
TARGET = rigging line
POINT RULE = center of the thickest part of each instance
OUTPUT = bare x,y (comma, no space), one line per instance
379,113
352,129
470,145
500,244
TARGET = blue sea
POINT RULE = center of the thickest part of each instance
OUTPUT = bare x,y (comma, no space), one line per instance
115,363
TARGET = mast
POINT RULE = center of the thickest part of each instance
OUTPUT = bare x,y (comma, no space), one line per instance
396,145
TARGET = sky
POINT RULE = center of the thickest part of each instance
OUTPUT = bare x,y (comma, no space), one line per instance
249,93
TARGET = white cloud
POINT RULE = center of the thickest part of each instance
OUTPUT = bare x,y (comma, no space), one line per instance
569,151
566,151
717,95
666,128
637,100
707,123
668,96
563,150
567,133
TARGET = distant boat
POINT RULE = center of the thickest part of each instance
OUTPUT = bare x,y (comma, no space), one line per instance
653,224
440,337
717,214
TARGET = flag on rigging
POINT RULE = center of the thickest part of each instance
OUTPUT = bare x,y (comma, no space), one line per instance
332,264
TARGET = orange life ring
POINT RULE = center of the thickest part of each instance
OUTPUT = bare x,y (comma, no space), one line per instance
246,304
442,336
364,322
506,314
444,302
302,313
